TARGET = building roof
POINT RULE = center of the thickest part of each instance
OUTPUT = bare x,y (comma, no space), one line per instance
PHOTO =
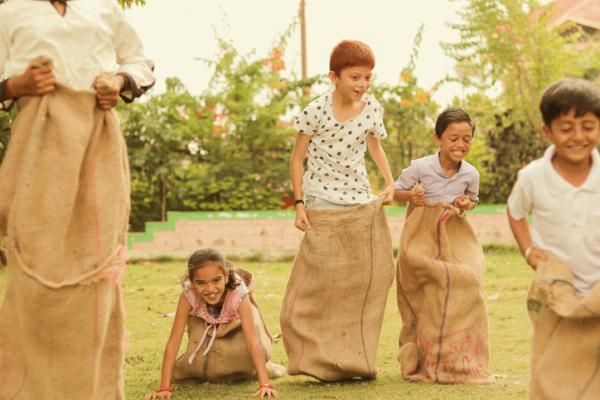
582,12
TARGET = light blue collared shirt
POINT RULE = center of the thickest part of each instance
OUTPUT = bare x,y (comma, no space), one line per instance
438,187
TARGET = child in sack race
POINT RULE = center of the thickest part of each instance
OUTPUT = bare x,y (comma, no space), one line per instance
561,191
228,338
65,64
444,337
344,224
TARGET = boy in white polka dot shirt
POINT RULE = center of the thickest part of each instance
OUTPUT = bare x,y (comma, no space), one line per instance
334,132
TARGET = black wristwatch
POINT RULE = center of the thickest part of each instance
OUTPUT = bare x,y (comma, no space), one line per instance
299,201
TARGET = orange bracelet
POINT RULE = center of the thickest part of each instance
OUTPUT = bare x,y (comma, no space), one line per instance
169,389
266,385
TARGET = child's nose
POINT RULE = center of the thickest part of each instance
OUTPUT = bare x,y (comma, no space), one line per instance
578,132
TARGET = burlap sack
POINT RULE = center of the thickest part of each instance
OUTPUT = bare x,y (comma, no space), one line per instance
565,362
64,208
336,295
444,337
228,357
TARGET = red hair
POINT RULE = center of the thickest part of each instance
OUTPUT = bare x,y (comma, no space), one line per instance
350,53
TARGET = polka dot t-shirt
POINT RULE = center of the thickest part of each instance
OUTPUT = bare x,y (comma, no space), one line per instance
336,169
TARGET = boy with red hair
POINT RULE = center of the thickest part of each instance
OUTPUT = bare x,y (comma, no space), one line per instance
335,298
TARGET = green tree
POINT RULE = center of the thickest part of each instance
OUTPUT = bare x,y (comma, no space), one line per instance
409,117
5,123
513,145
509,45
124,3
227,149
161,135
243,162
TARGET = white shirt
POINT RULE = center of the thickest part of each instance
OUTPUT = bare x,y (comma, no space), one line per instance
438,187
336,169
92,37
566,219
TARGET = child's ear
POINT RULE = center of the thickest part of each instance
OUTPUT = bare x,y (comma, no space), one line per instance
333,77
436,138
546,131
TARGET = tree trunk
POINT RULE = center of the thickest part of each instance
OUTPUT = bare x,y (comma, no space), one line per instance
164,191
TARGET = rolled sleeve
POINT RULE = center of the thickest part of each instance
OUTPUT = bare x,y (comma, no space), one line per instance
408,178
134,66
378,129
5,104
520,200
305,122
473,187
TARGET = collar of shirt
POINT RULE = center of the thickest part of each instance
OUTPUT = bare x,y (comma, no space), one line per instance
559,185
437,167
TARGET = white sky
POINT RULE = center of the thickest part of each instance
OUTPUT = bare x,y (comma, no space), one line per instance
177,32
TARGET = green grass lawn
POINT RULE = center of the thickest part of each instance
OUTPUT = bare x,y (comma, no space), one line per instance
151,294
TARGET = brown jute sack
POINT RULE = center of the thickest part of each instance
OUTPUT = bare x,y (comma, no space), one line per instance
444,335
336,295
64,205
565,361
228,357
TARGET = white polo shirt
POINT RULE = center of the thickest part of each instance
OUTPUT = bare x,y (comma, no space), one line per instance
566,219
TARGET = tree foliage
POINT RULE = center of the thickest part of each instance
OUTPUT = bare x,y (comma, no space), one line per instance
409,117
513,145
509,45
5,123
227,149
507,54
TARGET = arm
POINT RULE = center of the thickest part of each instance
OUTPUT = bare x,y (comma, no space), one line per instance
520,230
464,202
134,67
296,172
408,187
416,198
170,354
378,154
470,199
519,205
257,353
37,80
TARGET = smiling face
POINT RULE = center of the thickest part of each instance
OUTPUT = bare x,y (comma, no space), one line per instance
352,82
455,142
209,283
574,137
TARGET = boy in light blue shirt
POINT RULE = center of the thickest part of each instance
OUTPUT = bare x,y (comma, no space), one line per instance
445,176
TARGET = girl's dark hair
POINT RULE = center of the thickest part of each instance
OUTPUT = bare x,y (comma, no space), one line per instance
567,94
200,258
449,116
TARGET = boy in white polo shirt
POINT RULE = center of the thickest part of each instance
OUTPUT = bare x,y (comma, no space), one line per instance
562,189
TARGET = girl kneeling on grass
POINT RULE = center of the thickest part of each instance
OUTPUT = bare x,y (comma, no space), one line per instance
228,338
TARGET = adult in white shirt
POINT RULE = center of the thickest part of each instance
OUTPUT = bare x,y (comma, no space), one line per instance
82,38
64,196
